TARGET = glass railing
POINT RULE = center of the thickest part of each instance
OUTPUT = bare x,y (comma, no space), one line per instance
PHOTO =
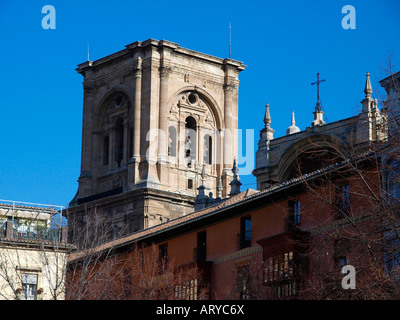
46,235
21,231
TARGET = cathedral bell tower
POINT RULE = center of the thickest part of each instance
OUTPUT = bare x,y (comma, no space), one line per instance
155,114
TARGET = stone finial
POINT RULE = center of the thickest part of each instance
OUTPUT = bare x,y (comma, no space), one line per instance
203,175
267,133
235,169
368,102
368,87
235,183
293,128
219,188
202,187
267,117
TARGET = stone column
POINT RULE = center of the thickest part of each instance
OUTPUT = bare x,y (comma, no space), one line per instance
85,179
162,163
165,49
228,137
200,144
228,134
148,175
97,159
134,162
163,113
137,108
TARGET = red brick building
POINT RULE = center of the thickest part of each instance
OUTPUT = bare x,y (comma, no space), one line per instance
264,244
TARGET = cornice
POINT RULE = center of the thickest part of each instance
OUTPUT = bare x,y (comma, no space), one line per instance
154,44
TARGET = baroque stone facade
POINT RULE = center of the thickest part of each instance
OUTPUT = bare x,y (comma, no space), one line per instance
280,159
155,116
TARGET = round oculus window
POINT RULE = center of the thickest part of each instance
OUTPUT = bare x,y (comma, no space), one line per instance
192,98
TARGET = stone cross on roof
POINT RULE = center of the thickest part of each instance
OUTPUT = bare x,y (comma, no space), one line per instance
318,106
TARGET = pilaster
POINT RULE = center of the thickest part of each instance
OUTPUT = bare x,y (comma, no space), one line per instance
85,178
133,165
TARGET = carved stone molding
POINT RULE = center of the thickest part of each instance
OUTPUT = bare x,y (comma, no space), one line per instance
137,72
88,87
229,87
117,181
186,78
165,71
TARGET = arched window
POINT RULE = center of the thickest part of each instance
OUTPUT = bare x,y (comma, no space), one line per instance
106,150
119,141
207,149
190,139
172,141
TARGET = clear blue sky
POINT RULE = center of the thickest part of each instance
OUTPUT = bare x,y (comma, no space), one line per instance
283,43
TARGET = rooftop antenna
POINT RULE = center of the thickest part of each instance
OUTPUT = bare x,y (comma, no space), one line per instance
230,40
88,52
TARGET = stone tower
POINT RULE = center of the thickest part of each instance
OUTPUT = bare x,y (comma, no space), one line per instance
155,115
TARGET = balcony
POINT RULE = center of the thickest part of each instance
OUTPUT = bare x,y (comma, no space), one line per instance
20,231
286,260
33,222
